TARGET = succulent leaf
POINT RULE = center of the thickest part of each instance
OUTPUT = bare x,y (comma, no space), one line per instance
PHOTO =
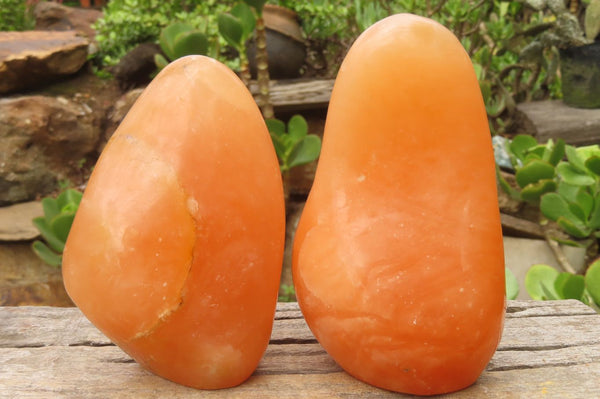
305,151
533,172
573,175
539,282
46,254
592,281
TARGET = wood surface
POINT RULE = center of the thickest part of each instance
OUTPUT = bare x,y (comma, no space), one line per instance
298,95
554,119
548,350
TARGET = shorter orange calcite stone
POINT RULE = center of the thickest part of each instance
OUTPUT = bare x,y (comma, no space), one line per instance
176,250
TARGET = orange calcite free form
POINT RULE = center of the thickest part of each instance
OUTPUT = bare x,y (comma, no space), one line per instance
175,252
398,261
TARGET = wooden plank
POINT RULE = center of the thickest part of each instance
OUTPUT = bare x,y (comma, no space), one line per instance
553,119
296,95
516,227
549,349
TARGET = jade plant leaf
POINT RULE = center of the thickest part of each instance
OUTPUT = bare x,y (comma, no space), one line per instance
569,286
574,176
594,218
514,194
512,284
191,42
46,254
592,281
297,128
168,35
593,164
520,144
305,151
554,206
539,282
244,14
574,158
533,172
232,30
573,228
556,152
160,61
532,192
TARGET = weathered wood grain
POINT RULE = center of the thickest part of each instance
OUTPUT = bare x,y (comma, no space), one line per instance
298,95
548,349
554,119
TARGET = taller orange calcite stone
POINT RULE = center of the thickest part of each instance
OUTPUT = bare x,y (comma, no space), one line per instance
398,261
176,250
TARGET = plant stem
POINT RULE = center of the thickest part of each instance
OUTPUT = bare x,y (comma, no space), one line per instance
244,68
262,69
559,254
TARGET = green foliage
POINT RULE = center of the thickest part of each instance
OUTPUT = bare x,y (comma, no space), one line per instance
178,40
237,26
15,15
294,147
535,167
512,284
575,206
126,23
287,293
546,283
567,191
55,225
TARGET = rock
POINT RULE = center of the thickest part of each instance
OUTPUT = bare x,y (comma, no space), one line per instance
117,114
30,58
16,221
26,280
42,138
50,15
135,68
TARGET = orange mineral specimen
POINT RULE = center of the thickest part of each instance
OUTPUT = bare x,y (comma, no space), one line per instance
176,250
398,261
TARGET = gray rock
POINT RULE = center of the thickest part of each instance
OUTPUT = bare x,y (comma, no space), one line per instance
42,138
16,221
28,59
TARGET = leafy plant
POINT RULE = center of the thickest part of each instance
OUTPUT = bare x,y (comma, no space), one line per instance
237,27
55,225
295,146
512,284
543,282
16,15
178,40
535,165
287,293
575,206
126,23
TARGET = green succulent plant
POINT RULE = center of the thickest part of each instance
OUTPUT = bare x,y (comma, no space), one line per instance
236,27
55,225
543,282
294,147
178,40
535,167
